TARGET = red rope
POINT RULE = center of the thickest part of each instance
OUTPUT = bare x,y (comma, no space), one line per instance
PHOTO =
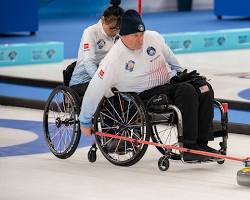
181,149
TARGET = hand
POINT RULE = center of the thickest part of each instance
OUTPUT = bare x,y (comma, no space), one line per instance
86,130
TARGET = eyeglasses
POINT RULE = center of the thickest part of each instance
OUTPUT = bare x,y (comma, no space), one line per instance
114,28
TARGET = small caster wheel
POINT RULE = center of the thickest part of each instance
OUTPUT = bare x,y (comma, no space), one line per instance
92,154
163,163
220,162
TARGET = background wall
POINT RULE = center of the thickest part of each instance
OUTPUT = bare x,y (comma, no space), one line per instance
203,4
166,5
95,7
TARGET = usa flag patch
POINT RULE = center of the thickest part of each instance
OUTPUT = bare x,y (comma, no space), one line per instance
101,73
86,45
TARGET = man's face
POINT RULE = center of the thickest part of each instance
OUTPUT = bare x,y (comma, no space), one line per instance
133,41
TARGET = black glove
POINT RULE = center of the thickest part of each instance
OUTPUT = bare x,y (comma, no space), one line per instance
184,76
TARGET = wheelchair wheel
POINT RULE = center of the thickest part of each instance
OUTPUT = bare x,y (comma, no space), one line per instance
60,122
122,115
167,132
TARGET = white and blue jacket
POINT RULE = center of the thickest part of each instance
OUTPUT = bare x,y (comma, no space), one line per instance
130,71
94,45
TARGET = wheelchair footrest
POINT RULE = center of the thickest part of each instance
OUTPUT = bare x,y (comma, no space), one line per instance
206,161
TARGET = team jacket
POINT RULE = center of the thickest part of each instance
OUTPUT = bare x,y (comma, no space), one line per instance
130,71
94,45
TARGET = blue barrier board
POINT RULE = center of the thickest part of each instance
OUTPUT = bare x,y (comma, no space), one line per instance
31,53
208,41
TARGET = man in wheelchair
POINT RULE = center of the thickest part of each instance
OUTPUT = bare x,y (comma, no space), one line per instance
141,62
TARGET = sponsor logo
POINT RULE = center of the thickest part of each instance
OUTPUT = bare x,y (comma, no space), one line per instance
243,39
50,53
187,43
130,65
12,55
221,41
151,51
101,43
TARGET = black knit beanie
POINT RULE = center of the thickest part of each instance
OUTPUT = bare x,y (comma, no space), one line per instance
131,22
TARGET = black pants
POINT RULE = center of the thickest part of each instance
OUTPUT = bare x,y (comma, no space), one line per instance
195,104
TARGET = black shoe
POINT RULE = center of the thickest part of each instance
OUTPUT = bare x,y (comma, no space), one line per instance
190,157
209,149
203,145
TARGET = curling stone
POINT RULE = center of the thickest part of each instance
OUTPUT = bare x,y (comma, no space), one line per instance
243,175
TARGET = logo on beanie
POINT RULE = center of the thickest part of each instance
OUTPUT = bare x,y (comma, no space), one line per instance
141,27
130,65
100,43
151,51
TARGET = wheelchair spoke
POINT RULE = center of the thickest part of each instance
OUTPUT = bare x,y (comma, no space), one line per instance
57,103
121,107
102,113
61,132
57,132
69,131
103,125
114,109
112,117
131,136
136,135
127,111
132,117
109,139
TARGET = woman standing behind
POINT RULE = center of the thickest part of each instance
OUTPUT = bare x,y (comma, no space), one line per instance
95,43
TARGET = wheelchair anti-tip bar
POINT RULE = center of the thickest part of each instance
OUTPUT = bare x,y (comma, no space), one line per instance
246,160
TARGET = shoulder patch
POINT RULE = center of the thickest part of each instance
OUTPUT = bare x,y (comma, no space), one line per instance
151,51
101,43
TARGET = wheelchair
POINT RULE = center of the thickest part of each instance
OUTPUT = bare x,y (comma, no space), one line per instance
123,114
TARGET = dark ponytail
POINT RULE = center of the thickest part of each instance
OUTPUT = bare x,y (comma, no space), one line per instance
115,2
113,12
